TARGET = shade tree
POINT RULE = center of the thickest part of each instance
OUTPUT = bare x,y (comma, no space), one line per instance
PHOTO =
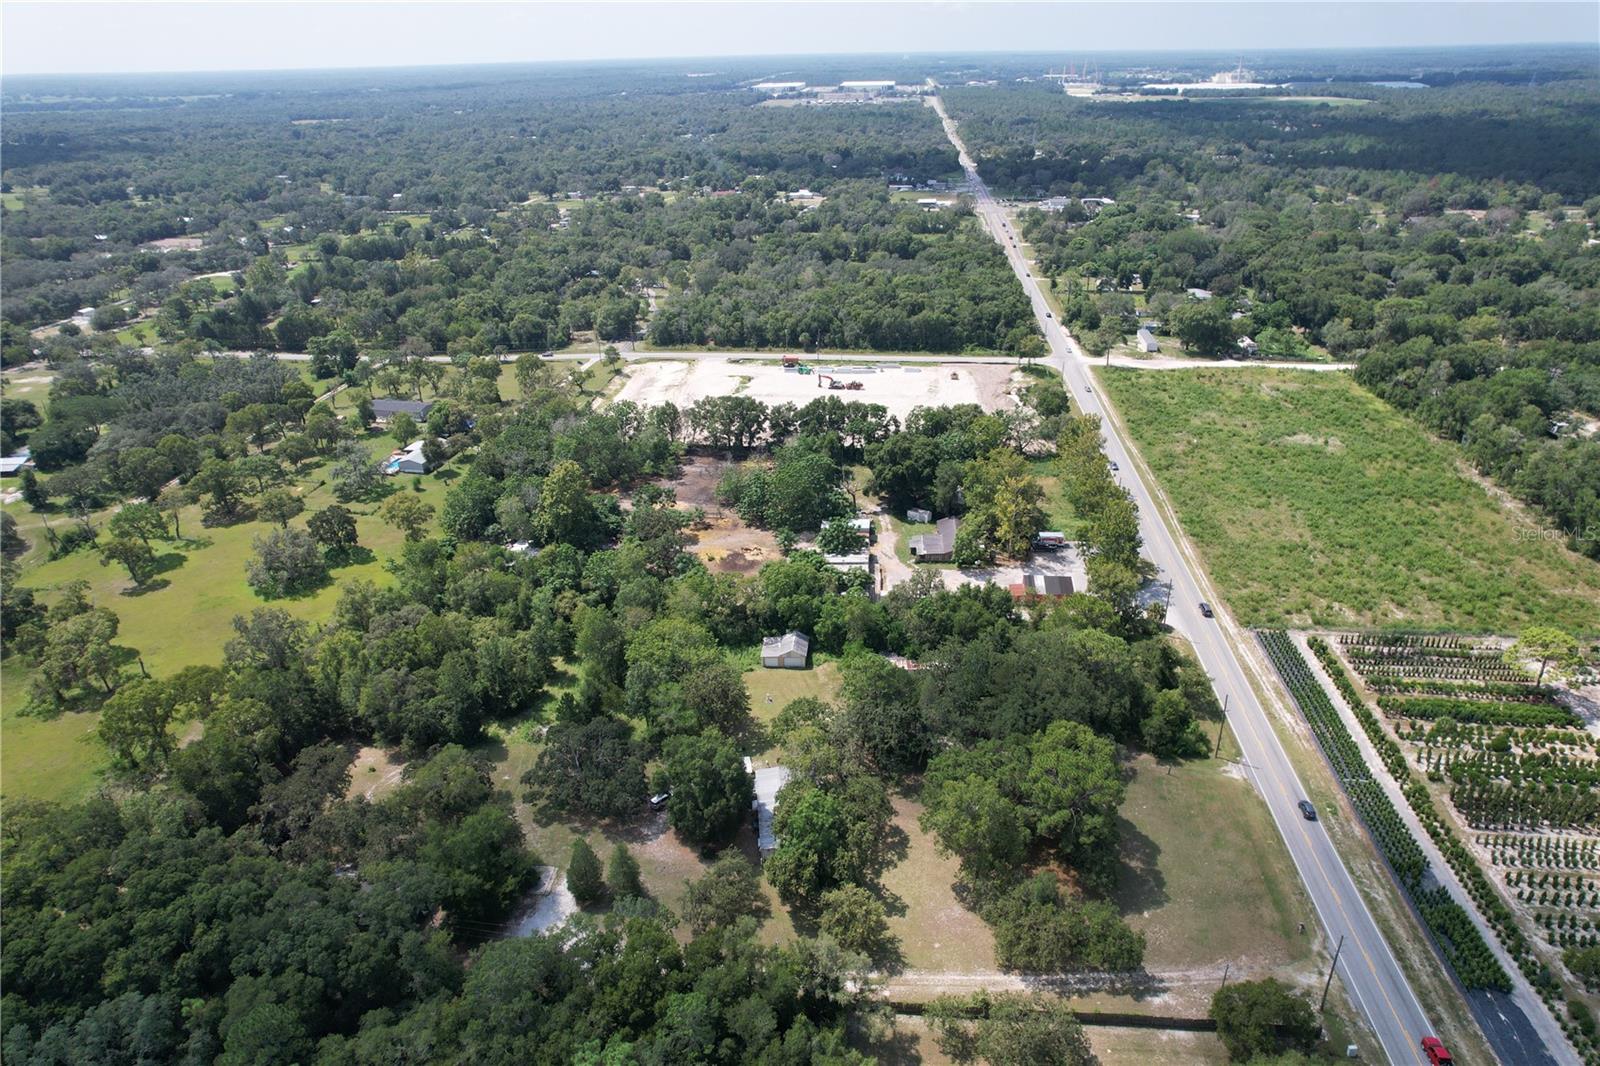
710,791
287,562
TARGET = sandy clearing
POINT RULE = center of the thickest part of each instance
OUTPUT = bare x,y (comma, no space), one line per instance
897,387
175,244
374,773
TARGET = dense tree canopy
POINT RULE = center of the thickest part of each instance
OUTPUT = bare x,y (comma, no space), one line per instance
1419,235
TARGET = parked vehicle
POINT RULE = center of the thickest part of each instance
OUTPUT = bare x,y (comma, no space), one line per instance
1437,1055
1309,811
659,800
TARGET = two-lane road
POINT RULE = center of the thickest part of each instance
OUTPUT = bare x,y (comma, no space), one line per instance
1370,971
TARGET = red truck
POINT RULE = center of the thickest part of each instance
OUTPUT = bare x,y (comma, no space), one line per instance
1437,1055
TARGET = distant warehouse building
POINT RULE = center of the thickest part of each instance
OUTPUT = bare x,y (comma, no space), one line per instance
866,86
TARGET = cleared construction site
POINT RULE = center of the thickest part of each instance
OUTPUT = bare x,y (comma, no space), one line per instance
898,387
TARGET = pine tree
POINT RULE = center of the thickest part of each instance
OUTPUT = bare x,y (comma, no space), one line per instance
583,873
622,873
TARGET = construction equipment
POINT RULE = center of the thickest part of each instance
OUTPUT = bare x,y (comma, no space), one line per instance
791,360
828,378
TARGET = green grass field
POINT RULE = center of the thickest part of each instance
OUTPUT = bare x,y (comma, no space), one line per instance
183,623
45,758
1059,515
1204,874
140,335
186,622
771,690
1314,503
17,199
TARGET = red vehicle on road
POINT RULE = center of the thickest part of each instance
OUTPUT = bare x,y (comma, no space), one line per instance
1437,1055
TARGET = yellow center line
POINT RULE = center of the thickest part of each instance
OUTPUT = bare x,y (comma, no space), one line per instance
1338,899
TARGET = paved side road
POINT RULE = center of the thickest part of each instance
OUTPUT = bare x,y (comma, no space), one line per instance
629,353
1371,973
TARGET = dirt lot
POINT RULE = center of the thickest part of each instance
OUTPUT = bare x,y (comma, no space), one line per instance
937,932
31,382
724,543
897,387
175,244
728,546
375,773
696,483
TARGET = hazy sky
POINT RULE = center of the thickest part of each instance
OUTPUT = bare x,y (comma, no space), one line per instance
66,37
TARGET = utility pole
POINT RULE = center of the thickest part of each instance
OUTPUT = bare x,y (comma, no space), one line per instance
1220,727
1226,967
1329,983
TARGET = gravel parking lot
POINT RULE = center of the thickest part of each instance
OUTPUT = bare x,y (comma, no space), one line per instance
897,387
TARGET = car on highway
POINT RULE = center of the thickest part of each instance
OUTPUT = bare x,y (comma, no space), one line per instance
1436,1052
1088,388
1114,466
1205,609
1047,314
1306,809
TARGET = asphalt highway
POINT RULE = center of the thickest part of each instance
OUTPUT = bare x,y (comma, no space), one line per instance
1370,973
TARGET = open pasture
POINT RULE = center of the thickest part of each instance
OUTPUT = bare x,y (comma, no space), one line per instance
1313,503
